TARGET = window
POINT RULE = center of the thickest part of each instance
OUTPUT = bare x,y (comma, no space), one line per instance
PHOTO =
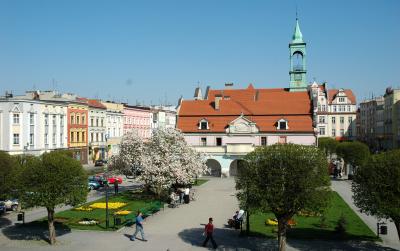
83,119
16,118
282,140
31,139
321,119
282,124
219,141
97,137
72,137
102,137
54,120
203,124
83,137
97,122
341,132
54,139
350,119
333,132
321,130
334,108
16,139
77,119
341,99
263,141
62,121
319,107
31,119
91,137
61,139
78,139
350,131
341,120
102,122
323,108
91,121
348,108
46,139
333,120
72,119
203,141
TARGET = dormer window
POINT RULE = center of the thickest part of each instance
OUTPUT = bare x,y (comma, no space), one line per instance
203,124
282,124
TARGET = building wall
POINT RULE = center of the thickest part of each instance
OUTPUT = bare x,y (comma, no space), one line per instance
97,134
115,126
139,120
78,131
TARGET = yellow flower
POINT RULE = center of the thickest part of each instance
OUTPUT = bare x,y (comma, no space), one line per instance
123,212
83,208
111,205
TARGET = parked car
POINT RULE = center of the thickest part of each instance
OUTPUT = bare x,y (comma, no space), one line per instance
93,185
100,179
99,162
10,204
111,180
2,207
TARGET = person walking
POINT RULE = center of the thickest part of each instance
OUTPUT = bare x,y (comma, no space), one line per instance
208,232
139,226
116,186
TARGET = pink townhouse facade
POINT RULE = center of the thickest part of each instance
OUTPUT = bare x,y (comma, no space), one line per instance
139,119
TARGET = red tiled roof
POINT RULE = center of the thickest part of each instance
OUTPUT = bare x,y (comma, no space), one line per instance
96,104
263,106
349,93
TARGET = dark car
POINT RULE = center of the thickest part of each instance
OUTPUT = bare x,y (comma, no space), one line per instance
99,162
99,179
2,207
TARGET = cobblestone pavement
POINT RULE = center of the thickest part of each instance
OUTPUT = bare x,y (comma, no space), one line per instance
177,229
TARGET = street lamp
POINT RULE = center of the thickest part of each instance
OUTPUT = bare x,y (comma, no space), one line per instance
107,215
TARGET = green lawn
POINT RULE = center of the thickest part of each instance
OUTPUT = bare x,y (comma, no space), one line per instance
200,182
310,227
135,202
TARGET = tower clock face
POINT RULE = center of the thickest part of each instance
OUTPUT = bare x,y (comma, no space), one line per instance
297,77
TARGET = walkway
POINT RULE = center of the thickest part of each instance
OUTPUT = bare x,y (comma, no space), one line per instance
343,188
179,229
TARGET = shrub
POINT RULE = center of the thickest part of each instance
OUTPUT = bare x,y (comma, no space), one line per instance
341,225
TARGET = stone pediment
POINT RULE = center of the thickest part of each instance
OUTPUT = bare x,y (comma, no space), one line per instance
242,125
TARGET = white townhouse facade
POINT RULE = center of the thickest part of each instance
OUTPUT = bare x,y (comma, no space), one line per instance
32,123
163,116
114,126
335,112
97,130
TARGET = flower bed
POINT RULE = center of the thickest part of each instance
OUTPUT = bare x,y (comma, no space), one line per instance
83,208
123,212
111,205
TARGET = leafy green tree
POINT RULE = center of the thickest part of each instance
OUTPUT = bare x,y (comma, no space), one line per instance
328,145
50,180
376,186
354,153
285,179
8,166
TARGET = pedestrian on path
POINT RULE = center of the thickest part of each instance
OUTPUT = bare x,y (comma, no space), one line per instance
208,232
139,226
116,186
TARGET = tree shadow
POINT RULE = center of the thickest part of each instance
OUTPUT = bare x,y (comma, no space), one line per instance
4,222
37,230
227,239
327,235
316,245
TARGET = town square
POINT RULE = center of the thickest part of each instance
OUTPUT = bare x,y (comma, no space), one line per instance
211,125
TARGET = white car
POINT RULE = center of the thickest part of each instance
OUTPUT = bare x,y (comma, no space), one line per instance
11,204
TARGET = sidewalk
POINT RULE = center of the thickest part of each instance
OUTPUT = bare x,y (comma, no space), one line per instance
343,188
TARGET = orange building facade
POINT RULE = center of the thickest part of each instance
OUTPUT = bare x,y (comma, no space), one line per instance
78,130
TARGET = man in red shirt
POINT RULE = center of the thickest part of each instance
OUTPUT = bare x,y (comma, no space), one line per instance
208,232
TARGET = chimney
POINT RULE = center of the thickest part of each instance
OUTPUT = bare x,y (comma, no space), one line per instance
218,97
228,85
197,94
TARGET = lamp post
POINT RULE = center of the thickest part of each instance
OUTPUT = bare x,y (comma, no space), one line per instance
107,214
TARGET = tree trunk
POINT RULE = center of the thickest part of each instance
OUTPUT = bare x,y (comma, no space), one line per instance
282,223
52,231
397,224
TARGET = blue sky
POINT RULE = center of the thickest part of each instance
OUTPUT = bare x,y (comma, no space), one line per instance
152,51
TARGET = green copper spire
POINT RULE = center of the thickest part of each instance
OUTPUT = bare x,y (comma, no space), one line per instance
297,36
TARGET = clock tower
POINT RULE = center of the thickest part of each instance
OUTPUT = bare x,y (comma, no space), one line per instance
298,70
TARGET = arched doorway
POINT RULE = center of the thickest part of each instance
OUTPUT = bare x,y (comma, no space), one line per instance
215,167
235,165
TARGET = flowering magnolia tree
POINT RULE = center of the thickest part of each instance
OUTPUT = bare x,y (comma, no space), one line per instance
165,159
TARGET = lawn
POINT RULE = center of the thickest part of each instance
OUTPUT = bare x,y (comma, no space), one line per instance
310,227
200,182
135,202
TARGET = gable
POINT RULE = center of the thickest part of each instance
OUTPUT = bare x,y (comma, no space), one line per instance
242,125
